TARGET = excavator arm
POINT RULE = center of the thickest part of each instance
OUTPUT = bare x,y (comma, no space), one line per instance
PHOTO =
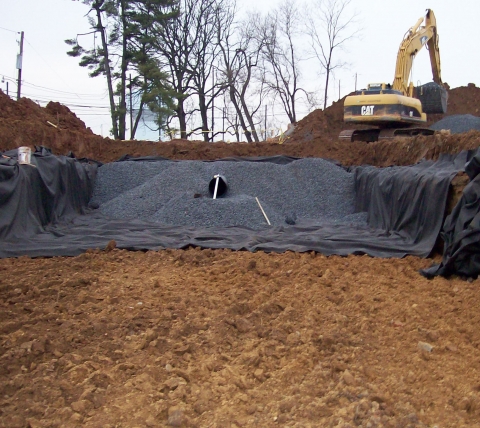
415,39
433,48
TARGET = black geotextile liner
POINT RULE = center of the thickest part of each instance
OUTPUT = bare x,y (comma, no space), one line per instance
43,212
50,189
461,231
408,201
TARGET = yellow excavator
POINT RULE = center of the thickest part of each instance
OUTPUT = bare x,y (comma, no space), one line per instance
400,109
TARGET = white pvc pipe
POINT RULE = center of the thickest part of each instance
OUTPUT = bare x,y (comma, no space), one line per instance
265,215
216,186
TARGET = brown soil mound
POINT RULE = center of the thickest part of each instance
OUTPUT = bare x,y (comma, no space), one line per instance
195,338
26,110
329,123
25,123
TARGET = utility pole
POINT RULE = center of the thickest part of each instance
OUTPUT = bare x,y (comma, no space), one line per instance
223,123
265,133
131,107
19,66
236,129
213,100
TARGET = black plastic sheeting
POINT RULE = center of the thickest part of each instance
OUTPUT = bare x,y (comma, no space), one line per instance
45,214
48,190
461,231
408,203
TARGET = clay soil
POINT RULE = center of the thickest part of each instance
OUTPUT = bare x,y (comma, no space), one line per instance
216,338
24,123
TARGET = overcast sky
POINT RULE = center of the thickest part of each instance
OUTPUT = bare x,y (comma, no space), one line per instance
49,74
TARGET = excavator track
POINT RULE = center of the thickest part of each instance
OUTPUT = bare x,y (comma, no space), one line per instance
386,134
376,134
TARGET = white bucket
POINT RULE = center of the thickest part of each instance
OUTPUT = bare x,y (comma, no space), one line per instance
24,155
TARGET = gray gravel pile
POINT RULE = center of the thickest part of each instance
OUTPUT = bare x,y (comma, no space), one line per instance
176,193
458,123
115,179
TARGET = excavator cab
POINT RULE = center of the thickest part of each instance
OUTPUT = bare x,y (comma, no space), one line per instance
380,105
378,88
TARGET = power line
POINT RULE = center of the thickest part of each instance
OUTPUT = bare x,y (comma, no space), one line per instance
11,31
28,84
84,108
46,100
66,92
42,99
228,110
95,114
62,100
48,65
68,103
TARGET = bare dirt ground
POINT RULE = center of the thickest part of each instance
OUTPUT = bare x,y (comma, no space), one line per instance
216,338
225,339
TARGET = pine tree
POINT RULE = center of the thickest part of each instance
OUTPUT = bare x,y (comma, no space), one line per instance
128,31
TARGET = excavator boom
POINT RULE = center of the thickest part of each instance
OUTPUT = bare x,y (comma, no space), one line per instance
414,40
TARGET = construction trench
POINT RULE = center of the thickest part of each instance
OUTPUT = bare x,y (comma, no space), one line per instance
132,297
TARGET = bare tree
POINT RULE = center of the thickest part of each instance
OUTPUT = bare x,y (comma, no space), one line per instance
188,45
203,58
240,59
176,44
330,26
281,56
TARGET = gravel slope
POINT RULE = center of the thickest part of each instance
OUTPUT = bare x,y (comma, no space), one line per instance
176,193
458,123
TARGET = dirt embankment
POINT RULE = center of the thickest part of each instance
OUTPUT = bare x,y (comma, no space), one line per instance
25,123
